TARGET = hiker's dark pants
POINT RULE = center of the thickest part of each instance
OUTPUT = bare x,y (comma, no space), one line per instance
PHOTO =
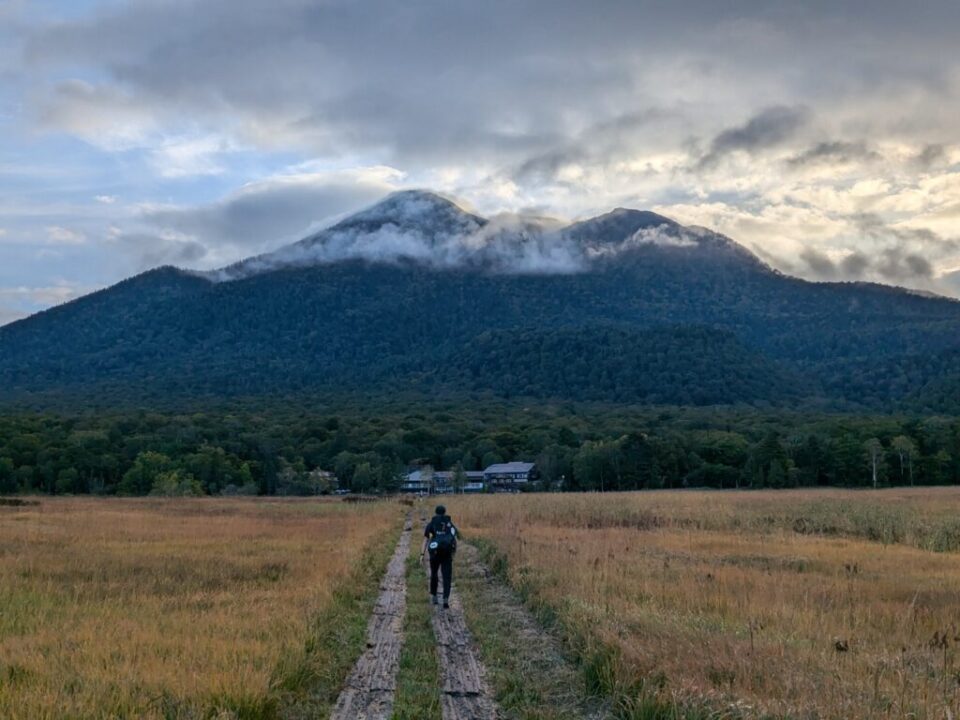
442,561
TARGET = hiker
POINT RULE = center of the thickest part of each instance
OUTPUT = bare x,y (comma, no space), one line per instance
440,537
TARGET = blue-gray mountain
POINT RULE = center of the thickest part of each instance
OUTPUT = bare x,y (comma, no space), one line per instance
416,295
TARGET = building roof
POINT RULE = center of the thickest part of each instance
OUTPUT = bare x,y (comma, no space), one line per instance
510,467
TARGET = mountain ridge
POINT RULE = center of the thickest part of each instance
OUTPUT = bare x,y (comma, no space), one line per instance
422,226
663,314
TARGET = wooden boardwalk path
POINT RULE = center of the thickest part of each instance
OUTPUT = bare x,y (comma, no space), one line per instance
464,692
370,689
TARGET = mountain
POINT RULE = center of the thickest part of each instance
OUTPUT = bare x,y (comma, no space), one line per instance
417,295
410,224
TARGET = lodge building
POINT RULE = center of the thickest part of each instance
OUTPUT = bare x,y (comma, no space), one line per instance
499,477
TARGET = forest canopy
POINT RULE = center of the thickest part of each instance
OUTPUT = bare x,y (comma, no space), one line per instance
284,450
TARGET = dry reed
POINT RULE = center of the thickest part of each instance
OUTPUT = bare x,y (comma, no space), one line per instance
164,608
819,604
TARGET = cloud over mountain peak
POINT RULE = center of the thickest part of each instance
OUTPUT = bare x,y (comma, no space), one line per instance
426,228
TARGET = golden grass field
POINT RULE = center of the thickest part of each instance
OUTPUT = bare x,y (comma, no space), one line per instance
165,608
806,604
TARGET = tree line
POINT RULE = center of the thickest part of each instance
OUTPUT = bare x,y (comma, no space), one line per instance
282,451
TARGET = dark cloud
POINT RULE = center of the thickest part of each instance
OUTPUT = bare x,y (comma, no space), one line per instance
819,263
874,228
855,265
153,250
891,254
433,81
929,156
834,153
420,80
263,215
544,167
892,264
769,128
494,101
600,143
895,265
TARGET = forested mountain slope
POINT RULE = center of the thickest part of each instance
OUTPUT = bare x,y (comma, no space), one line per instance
418,295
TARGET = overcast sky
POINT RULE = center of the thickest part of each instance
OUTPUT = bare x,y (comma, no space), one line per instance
824,136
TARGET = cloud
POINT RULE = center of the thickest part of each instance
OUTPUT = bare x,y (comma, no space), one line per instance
907,239
892,254
547,166
43,295
951,281
429,230
154,250
819,263
769,128
298,75
598,144
58,235
102,115
413,226
106,199
20,301
821,245
855,265
890,265
9,315
896,265
835,152
930,155
260,216
187,157
776,124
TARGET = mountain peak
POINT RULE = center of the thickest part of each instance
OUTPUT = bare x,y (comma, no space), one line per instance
647,217
412,207
429,229
419,196
619,226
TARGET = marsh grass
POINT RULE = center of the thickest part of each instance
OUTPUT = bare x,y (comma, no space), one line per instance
716,605
308,681
176,608
418,683
530,675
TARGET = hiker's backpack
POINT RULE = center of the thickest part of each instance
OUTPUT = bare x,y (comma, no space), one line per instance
445,537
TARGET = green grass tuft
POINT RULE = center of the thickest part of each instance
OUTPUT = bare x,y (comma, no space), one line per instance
418,681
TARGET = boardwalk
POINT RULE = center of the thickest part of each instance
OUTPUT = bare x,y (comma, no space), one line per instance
464,692
369,691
